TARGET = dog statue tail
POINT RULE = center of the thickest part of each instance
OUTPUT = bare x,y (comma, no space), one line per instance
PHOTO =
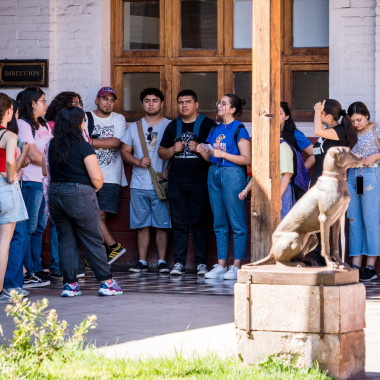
266,260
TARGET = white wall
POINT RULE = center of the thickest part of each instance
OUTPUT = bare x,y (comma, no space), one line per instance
353,53
72,34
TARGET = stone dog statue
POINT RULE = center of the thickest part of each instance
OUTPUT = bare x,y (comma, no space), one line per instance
318,210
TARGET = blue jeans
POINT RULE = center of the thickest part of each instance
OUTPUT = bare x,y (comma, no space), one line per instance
363,213
74,208
54,258
224,185
35,204
14,276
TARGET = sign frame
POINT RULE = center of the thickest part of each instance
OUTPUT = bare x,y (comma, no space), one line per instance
42,64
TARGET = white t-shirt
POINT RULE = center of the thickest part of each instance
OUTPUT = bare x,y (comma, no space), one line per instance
41,138
110,161
141,178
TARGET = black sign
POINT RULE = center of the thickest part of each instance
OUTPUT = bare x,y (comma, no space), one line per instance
23,73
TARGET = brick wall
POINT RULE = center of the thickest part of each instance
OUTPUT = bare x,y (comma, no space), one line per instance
353,28
70,33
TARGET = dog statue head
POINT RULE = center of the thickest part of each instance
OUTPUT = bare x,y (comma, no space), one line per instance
341,157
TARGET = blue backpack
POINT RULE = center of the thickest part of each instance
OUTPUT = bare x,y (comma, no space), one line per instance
196,128
300,177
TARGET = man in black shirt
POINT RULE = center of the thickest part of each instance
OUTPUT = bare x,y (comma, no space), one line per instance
188,194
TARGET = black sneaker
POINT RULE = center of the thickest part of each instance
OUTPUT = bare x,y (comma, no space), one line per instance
163,268
178,269
367,275
56,274
139,267
34,281
114,253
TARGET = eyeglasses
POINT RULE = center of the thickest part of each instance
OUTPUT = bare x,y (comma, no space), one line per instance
42,100
222,104
150,136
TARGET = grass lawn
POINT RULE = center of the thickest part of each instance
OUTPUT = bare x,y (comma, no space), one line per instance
87,364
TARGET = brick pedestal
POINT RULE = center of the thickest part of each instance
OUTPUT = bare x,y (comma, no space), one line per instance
303,317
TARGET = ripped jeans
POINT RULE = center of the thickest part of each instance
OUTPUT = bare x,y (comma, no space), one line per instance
363,212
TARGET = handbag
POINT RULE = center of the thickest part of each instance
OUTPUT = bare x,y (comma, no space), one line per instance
160,184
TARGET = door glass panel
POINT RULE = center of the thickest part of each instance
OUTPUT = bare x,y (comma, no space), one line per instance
310,23
134,83
141,25
242,24
199,24
205,86
243,87
309,87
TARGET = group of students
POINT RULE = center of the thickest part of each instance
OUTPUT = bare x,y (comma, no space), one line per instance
207,165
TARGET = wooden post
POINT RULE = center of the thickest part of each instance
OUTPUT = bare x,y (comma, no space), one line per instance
266,55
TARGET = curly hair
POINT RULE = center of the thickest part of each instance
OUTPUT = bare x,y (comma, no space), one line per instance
62,100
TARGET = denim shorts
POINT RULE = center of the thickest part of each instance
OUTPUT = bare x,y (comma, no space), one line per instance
109,197
147,210
12,206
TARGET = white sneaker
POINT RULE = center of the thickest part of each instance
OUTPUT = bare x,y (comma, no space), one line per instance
231,273
216,272
18,290
201,269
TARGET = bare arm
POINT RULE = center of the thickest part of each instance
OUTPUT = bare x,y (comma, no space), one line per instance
108,143
206,155
11,144
34,155
126,154
23,158
246,190
44,169
285,181
318,127
310,161
244,158
93,170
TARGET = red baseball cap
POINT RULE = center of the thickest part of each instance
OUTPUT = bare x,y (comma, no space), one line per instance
104,91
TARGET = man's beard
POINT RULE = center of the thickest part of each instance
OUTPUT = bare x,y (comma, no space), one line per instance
152,113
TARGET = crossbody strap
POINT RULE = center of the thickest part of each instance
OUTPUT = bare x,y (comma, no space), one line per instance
375,137
143,145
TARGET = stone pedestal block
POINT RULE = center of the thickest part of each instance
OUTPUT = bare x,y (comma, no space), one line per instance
316,323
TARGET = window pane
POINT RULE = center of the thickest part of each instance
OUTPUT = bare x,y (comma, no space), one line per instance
205,86
242,24
309,87
199,24
134,83
310,23
243,87
141,25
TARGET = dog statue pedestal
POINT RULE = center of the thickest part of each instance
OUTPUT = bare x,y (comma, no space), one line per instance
314,314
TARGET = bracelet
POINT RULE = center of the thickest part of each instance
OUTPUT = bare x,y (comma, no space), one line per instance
223,155
8,181
172,150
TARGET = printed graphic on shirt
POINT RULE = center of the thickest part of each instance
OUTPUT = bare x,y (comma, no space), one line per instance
105,156
319,149
219,144
151,141
186,153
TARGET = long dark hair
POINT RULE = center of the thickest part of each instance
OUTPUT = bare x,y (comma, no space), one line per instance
5,104
12,125
287,132
62,100
237,103
360,108
334,108
67,133
28,96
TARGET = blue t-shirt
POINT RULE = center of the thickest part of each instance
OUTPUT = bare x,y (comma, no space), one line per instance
223,138
302,141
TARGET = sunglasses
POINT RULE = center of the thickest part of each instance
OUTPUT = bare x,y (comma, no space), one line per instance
150,136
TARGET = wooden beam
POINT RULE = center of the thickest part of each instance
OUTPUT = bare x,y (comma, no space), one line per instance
266,54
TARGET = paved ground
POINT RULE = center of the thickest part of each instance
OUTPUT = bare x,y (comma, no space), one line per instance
159,316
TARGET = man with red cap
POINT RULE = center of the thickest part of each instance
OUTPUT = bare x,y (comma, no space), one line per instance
105,129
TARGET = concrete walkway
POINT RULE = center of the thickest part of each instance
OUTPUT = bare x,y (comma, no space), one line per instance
141,325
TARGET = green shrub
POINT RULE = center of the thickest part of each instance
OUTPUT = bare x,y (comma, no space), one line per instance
38,335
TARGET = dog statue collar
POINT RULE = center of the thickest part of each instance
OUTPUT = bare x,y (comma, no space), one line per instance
333,174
